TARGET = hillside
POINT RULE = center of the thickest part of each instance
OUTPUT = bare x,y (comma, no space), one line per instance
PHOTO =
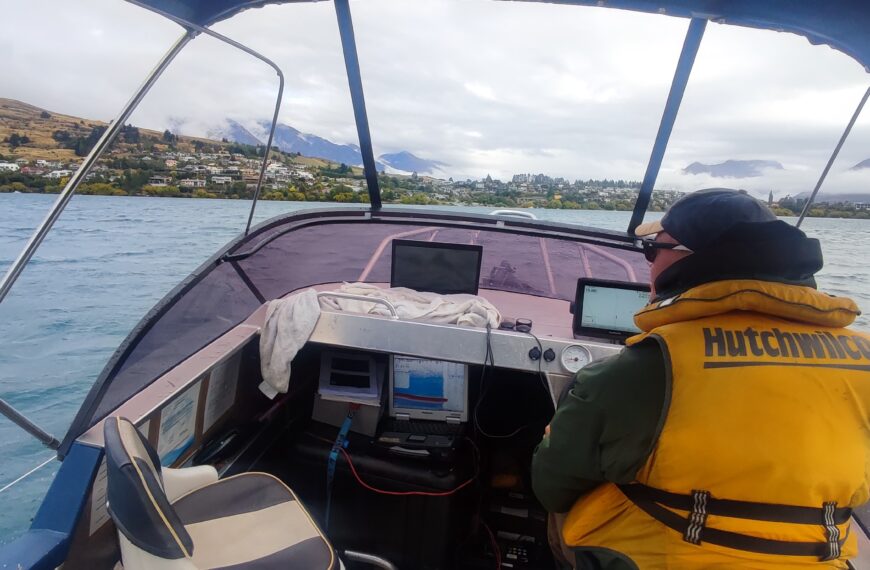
40,127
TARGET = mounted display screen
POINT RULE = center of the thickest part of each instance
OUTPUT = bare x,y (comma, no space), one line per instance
605,309
444,268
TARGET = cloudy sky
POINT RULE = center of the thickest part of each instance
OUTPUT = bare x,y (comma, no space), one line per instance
486,87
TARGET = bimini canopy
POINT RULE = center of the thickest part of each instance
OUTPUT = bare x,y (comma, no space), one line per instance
841,24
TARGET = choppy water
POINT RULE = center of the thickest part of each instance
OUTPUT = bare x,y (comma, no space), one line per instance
109,259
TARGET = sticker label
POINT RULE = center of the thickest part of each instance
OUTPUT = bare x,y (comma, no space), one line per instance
177,426
221,390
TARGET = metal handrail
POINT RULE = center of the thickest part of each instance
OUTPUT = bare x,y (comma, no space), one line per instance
516,213
370,559
229,41
24,423
63,199
394,314
108,137
833,157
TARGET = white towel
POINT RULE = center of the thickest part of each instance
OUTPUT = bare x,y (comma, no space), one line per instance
289,324
464,310
290,321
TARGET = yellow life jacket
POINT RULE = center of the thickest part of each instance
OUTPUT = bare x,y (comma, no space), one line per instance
765,444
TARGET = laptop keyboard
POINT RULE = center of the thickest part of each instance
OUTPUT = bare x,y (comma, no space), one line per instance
424,427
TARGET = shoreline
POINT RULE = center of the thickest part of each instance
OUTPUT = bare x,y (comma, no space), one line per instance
395,203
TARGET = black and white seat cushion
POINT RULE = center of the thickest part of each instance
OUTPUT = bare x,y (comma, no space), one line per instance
250,521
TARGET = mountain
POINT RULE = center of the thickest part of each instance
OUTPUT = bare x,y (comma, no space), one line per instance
233,131
733,168
407,162
861,165
289,139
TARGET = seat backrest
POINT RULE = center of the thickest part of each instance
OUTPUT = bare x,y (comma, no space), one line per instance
137,503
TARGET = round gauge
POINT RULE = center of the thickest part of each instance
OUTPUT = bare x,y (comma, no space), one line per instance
575,357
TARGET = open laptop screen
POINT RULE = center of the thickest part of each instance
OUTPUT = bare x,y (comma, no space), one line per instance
444,268
428,389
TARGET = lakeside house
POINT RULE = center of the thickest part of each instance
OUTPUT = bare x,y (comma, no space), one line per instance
192,183
9,167
159,181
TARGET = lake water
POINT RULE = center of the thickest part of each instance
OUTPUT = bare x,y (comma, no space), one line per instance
110,259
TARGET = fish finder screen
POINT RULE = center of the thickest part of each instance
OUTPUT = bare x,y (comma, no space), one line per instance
611,308
432,385
444,268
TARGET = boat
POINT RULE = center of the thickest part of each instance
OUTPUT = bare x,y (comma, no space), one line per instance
180,422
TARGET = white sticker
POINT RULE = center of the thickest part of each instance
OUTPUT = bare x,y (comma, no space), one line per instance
221,390
99,512
177,426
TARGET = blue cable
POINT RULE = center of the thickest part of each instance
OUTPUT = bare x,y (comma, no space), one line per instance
340,442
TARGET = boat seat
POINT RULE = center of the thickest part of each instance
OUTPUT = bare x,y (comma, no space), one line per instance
249,521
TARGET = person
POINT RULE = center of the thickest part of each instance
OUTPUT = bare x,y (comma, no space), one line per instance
733,431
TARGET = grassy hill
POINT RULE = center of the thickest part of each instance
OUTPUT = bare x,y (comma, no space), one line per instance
40,127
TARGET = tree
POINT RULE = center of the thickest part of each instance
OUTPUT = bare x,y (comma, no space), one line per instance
45,115
15,140
84,145
169,138
130,134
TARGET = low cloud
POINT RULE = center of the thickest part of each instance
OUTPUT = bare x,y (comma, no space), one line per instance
486,87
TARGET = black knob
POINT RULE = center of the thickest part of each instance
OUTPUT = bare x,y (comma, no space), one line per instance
549,355
535,353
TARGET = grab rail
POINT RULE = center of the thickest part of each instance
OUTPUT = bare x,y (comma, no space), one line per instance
833,157
394,314
516,213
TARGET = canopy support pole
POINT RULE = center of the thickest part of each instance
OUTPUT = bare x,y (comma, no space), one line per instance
678,87
24,423
833,157
108,137
354,79
220,37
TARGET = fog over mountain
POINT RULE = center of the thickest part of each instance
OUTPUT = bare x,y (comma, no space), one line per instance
406,162
733,168
290,139
233,131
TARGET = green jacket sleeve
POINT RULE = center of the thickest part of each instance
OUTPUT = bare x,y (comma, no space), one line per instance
604,429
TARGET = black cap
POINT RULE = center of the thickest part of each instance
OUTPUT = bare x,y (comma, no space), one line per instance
698,220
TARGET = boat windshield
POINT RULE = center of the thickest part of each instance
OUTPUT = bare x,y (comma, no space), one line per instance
283,259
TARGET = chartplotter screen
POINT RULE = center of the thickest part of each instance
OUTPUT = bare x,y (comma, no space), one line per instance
612,308
608,308
428,385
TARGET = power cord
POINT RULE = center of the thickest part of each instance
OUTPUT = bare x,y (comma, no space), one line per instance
489,361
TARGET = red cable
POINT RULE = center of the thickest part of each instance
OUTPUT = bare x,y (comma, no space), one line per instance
494,542
399,493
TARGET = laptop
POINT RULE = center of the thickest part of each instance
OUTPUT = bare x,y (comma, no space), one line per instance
428,406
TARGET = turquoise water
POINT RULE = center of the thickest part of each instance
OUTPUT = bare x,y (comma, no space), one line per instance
110,259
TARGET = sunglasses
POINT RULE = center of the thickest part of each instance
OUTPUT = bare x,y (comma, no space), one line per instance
651,248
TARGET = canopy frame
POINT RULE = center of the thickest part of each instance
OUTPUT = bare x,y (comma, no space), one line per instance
694,35
354,79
